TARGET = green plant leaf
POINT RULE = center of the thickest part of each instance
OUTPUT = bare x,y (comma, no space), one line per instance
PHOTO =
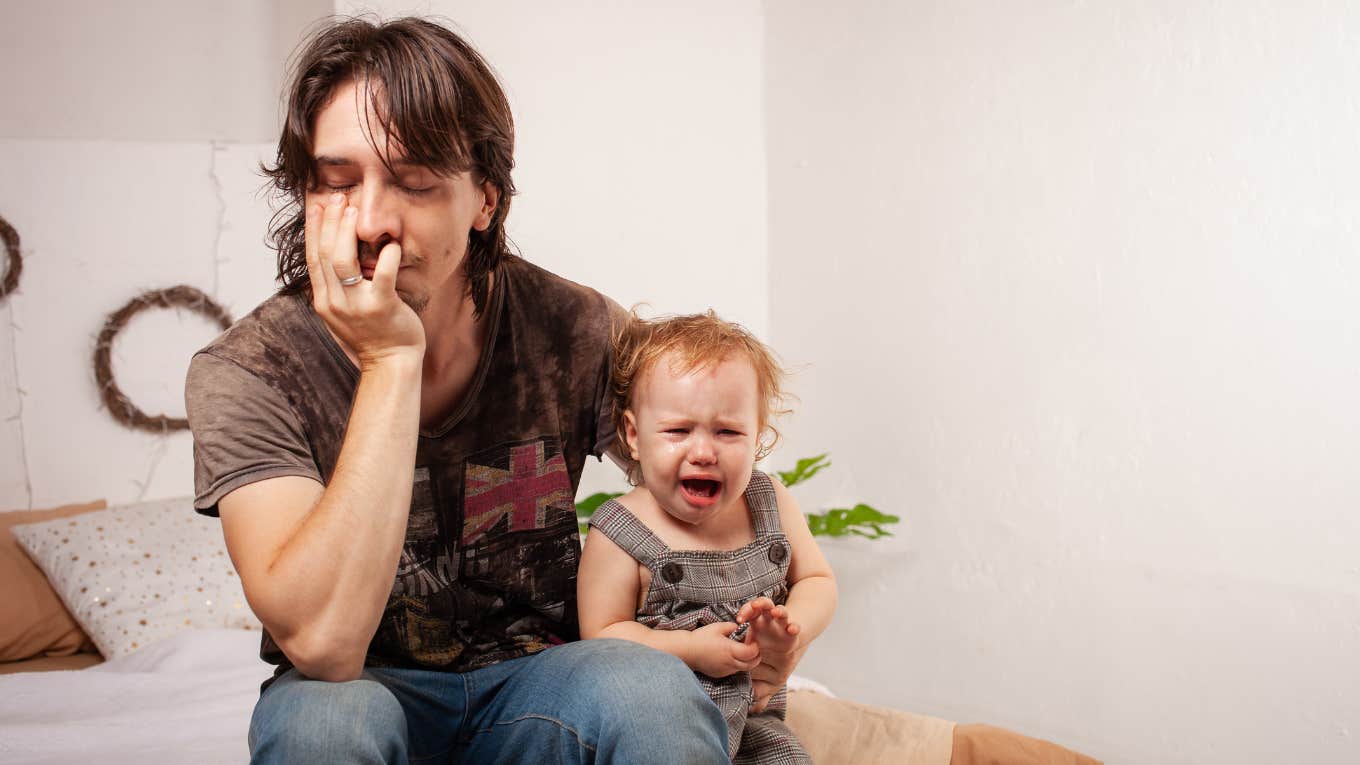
836,522
804,469
863,514
860,520
817,524
587,507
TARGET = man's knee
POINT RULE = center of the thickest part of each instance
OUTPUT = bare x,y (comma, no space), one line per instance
642,686
303,720
629,675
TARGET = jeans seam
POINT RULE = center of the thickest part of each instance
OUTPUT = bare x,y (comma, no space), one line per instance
552,720
464,735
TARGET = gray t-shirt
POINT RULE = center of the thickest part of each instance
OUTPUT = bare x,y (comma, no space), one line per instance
488,569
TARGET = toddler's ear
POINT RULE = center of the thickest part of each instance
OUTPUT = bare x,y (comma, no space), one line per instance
630,433
765,442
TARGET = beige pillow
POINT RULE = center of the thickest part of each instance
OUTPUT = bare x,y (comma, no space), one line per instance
839,732
140,573
33,621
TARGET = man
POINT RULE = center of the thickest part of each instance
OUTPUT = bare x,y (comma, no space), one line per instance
394,441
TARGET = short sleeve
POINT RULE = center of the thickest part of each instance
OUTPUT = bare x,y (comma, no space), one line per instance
606,438
244,431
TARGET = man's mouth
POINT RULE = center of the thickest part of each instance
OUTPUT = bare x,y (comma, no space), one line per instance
367,267
700,491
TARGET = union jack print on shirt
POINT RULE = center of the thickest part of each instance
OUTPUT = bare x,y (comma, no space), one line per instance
518,495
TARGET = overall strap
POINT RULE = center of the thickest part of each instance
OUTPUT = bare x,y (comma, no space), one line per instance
619,524
764,505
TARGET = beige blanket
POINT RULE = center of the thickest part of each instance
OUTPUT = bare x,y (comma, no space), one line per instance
839,732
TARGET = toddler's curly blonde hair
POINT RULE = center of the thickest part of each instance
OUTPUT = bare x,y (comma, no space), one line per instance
697,341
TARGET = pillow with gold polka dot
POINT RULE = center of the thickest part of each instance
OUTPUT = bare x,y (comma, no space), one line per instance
136,574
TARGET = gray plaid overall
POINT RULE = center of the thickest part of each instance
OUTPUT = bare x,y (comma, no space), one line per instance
693,588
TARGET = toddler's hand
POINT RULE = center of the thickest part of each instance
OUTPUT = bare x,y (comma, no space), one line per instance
777,637
717,655
770,626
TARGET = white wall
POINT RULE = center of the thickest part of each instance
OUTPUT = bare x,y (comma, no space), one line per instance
101,222
153,70
1078,284
127,155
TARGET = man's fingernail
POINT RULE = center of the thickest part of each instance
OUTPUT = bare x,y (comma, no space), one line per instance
337,198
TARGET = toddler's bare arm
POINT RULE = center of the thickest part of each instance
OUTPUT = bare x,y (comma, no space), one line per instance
811,602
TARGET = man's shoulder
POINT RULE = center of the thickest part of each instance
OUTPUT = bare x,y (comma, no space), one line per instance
533,279
545,299
267,335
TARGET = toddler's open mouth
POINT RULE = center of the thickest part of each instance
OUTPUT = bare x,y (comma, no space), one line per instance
700,489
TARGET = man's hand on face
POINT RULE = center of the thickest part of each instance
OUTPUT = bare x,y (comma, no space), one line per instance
368,316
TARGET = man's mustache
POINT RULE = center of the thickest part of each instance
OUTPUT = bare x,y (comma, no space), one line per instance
368,253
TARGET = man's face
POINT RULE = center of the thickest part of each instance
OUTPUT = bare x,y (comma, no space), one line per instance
429,216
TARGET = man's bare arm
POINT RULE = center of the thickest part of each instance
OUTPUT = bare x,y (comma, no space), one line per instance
318,563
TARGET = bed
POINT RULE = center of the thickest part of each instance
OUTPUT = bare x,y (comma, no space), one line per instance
123,631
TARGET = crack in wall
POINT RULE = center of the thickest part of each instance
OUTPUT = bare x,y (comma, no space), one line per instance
157,454
162,444
19,397
219,193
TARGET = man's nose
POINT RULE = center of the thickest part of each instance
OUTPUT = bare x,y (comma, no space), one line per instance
379,216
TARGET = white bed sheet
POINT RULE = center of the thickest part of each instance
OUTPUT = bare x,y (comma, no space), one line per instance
186,699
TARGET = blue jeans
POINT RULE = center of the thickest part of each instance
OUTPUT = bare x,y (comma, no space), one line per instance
608,701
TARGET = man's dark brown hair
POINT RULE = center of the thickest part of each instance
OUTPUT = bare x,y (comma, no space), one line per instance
432,93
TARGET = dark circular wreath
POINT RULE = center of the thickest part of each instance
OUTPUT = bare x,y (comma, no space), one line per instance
118,404
16,263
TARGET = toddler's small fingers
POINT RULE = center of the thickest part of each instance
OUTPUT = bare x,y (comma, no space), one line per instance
746,665
757,608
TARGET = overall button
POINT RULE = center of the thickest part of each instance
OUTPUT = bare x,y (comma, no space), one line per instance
672,573
778,552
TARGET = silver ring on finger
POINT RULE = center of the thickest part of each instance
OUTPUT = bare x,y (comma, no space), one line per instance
350,281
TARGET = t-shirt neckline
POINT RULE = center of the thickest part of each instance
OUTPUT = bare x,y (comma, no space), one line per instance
496,309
